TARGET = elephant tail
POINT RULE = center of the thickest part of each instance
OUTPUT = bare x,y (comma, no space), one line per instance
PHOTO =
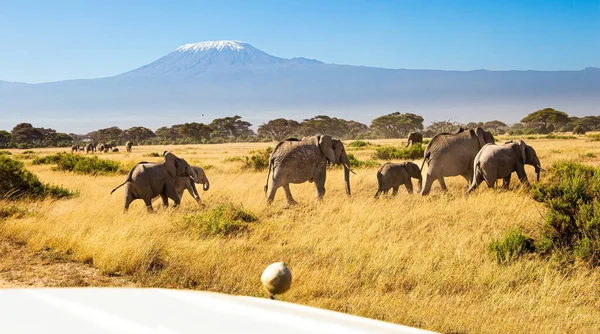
268,174
379,183
425,158
128,177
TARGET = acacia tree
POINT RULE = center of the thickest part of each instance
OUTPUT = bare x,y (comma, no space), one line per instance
196,131
278,129
396,125
5,138
546,120
495,125
138,133
442,126
26,133
230,127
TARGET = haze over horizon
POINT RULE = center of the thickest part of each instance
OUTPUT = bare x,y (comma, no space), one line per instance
65,40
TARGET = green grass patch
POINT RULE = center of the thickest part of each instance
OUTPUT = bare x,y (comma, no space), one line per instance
355,163
223,221
258,160
16,182
555,136
11,211
81,164
594,137
389,152
5,152
511,246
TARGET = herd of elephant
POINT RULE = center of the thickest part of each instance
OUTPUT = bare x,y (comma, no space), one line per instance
104,147
471,153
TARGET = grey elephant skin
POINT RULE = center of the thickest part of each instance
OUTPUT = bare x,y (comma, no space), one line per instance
185,183
298,161
413,138
128,146
452,154
494,162
393,175
147,180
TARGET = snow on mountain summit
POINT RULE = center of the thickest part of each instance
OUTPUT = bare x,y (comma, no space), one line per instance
216,45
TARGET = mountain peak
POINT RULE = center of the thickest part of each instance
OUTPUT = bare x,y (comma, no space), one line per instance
213,45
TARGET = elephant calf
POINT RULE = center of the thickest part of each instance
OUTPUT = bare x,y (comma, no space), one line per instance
495,162
392,175
183,183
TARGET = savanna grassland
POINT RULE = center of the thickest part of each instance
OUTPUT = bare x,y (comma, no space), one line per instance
418,261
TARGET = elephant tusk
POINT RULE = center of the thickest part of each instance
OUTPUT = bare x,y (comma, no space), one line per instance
350,169
191,177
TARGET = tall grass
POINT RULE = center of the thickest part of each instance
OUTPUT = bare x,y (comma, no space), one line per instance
419,261
16,183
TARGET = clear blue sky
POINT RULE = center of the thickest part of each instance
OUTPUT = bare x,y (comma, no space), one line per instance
49,40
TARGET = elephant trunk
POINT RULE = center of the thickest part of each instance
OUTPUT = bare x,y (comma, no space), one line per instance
420,186
206,184
346,164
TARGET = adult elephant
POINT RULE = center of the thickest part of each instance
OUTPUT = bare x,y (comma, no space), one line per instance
452,154
128,146
89,148
147,180
74,148
186,183
101,148
495,162
298,161
414,137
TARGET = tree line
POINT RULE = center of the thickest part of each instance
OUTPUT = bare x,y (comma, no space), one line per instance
234,129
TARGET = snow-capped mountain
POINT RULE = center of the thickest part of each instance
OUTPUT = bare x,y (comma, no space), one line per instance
223,78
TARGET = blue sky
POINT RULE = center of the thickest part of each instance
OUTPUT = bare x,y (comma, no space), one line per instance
57,40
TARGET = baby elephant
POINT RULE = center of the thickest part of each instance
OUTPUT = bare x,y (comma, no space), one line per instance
495,162
186,183
392,175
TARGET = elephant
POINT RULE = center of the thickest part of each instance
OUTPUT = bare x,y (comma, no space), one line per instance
392,175
114,149
147,180
298,161
495,162
183,183
452,154
101,148
414,137
89,148
74,148
128,146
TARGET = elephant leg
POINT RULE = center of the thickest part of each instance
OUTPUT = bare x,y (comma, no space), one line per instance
148,202
522,175
319,177
128,199
172,194
377,193
506,182
428,182
469,178
395,190
288,194
442,183
476,182
409,186
165,200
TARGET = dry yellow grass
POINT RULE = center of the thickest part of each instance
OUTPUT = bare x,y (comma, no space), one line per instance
418,261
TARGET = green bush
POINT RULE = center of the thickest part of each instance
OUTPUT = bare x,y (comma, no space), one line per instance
511,246
80,164
389,152
594,137
258,161
355,163
578,130
226,220
555,136
4,152
17,182
7,211
359,144
588,155
572,225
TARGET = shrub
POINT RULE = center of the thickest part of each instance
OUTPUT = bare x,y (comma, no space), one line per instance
226,220
511,246
555,136
80,164
389,152
594,137
23,146
572,224
4,152
153,155
355,163
588,155
258,161
578,130
7,211
359,144
16,182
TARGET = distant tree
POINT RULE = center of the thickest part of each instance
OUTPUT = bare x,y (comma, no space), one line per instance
5,138
278,129
473,125
196,131
62,139
589,123
396,125
579,130
356,129
230,127
494,125
138,134
105,135
443,126
542,118
25,133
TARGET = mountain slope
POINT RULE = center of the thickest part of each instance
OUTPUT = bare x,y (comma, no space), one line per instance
228,77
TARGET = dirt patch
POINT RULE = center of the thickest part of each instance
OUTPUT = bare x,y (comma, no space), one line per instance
21,268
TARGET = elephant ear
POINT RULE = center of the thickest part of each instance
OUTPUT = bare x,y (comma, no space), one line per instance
523,149
171,163
481,136
326,145
198,174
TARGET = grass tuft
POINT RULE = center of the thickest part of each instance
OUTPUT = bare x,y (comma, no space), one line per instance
225,220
